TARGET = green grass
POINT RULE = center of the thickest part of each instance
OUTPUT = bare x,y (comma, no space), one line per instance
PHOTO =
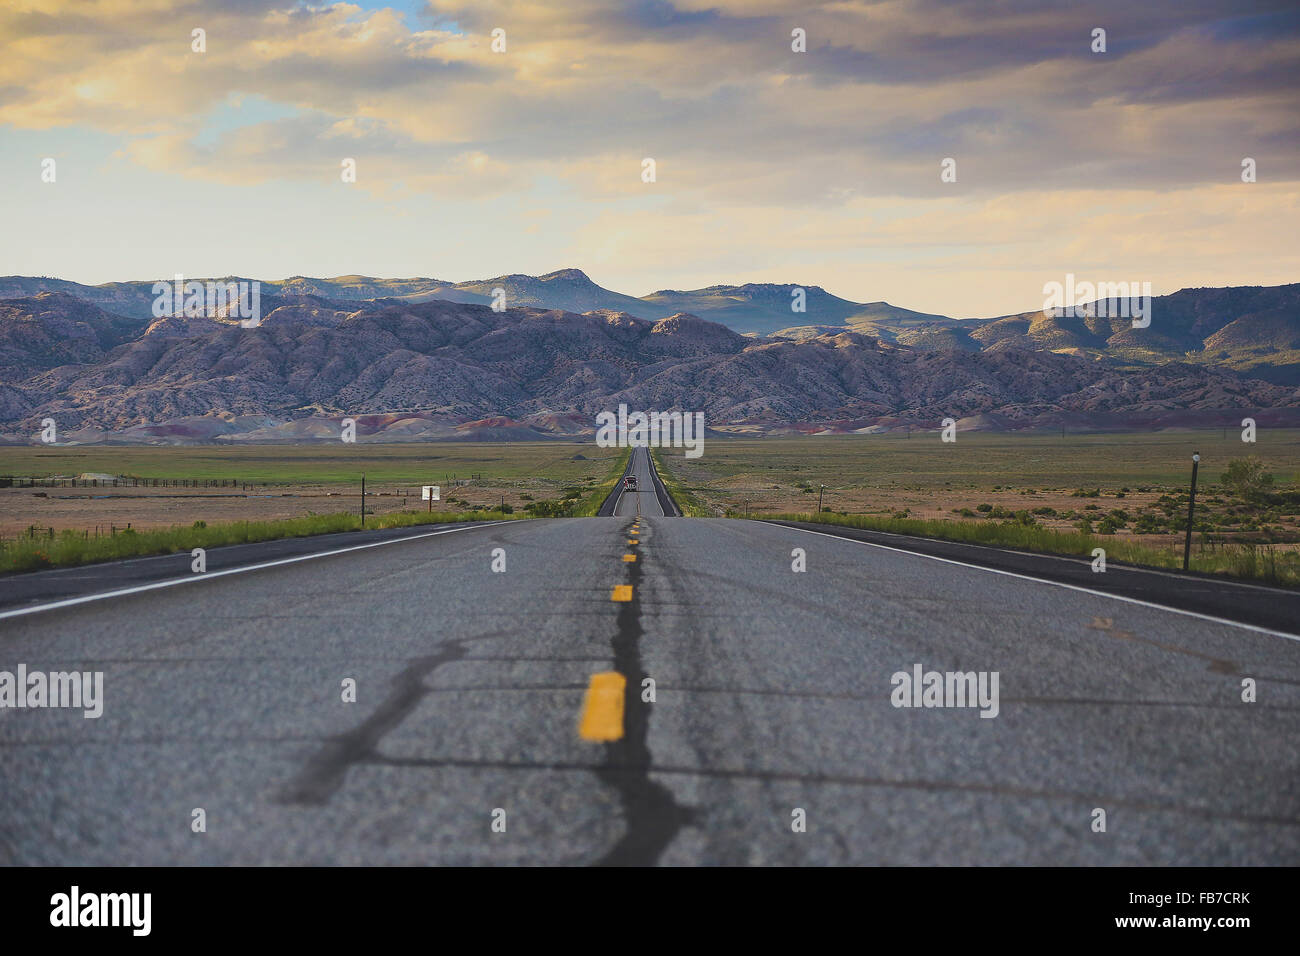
983,459
412,463
692,506
589,505
1260,563
71,548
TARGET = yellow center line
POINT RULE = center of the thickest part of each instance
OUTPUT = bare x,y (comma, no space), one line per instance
621,592
602,708
629,557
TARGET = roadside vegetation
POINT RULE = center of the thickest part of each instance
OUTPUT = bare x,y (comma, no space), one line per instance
1247,560
73,547
69,548
691,505
588,505
1126,493
500,465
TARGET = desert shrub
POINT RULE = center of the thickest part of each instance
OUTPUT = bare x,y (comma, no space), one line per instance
1247,479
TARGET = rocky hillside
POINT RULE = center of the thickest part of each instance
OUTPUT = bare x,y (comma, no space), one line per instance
1254,329
765,308
1250,329
438,368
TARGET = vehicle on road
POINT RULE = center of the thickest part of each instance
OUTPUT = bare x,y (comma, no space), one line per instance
629,483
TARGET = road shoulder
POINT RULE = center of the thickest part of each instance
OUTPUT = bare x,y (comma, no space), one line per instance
1260,606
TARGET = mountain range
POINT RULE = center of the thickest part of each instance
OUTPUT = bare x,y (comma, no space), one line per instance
415,359
1251,328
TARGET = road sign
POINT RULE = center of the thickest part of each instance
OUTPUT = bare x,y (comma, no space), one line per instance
431,493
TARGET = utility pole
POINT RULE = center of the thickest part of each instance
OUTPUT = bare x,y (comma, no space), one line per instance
363,499
1191,510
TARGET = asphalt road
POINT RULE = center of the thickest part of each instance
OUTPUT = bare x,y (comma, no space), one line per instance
772,695
645,500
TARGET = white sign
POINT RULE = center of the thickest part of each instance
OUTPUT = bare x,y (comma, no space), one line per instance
431,492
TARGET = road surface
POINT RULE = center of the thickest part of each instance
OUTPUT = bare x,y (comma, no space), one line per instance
645,500
773,704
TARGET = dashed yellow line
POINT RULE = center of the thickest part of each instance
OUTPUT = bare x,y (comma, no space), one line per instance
621,592
602,708
628,558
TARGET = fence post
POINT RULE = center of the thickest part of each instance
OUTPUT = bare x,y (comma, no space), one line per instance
1191,510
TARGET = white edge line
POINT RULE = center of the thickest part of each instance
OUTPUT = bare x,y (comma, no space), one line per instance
621,488
209,575
1056,584
1074,559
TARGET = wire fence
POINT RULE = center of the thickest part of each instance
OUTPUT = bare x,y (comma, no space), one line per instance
19,481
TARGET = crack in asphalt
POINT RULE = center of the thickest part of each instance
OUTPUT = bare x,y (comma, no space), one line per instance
1090,799
650,810
325,771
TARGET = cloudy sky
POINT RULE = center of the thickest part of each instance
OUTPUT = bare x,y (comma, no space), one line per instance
819,167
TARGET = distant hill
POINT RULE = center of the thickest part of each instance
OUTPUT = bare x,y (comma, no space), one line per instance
442,369
99,355
51,329
767,309
1247,328
760,308
567,289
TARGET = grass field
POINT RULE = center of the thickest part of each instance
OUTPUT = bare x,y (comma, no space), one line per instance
281,482
1126,492
1130,489
876,474
318,464
70,548
977,460
691,506
49,526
